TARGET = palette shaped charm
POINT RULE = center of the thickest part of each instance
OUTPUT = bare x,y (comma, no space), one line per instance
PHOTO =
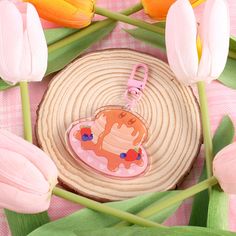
111,143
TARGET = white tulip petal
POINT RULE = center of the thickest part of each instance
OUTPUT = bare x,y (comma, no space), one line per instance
215,33
37,44
11,40
181,34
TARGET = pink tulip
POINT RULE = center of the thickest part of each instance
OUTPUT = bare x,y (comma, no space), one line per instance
224,166
23,47
182,32
27,175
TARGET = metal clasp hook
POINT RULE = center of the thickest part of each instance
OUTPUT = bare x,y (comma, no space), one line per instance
135,87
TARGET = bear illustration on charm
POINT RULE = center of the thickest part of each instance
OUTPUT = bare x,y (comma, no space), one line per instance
112,141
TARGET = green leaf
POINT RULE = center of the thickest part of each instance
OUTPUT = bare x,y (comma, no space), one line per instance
232,47
224,136
232,44
73,45
152,38
142,231
90,220
218,215
228,77
200,205
4,85
54,35
23,224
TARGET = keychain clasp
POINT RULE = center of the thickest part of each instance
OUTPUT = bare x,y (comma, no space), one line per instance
133,83
135,87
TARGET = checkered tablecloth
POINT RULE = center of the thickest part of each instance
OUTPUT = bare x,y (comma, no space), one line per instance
222,101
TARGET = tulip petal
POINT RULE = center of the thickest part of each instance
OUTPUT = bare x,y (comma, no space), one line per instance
76,14
19,172
81,4
11,39
32,153
158,9
35,54
215,33
224,166
26,60
23,202
181,34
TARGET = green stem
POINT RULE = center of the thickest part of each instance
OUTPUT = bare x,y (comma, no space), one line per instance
126,19
97,206
206,126
25,100
135,8
135,22
92,28
168,202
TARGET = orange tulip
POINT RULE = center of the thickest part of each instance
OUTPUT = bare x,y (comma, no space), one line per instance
157,9
68,13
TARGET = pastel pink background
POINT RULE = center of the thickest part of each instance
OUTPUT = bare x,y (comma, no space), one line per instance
222,101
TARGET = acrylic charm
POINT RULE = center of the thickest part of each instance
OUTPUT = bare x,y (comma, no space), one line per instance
112,142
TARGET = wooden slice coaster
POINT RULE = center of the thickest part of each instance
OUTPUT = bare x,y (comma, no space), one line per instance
99,79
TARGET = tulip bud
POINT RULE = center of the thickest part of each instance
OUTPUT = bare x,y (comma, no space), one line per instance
157,9
74,14
27,175
224,166
23,47
183,33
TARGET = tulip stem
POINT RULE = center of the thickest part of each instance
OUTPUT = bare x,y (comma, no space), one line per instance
92,28
174,199
129,20
138,219
25,101
97,206
206,126
135,22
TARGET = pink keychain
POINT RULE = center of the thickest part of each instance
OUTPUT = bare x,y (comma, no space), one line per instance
111,143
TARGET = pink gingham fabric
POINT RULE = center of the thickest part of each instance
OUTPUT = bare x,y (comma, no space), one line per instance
222,101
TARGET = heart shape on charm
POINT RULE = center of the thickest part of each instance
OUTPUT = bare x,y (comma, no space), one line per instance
111,143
